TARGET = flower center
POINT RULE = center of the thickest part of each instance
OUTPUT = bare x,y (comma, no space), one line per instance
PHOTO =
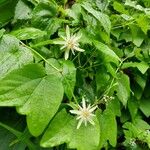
86,114
70,44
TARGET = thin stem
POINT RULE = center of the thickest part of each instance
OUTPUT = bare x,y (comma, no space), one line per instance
88,59
120,26
112,82
34,51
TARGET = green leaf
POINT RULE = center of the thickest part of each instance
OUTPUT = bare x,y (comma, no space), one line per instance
22,11
119,7
54,25
133,107
137,35
2,32
62,129
142,66
6,138
28,33
101,17
59,130
7,8
36,95
110,55
144,106
85,137
123,88
143,23
42,13
12,55
69,77
108,128
102,78
114,106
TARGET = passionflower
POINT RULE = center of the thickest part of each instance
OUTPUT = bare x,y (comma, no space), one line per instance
69,42
84,113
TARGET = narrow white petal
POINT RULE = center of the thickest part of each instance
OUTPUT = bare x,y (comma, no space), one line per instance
77,112
92,115
92,109
89,106
67,32
78,49
63,47
79,123
77,37
79,107
85,122
66,54
91,121
79,117
59,42
83,103
72,51
63,37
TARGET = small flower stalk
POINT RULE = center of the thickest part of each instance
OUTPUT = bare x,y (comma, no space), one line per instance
70,42
84,113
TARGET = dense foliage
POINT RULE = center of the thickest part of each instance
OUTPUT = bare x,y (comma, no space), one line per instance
54,54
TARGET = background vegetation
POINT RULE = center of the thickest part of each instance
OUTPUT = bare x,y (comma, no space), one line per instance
38,86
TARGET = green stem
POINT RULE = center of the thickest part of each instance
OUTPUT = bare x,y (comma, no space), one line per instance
34,51
112,82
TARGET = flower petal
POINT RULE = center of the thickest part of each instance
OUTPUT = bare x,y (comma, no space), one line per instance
79,123
78,49
63,37
66,54
73,51
85,122
79,117
83,103
77,112
63,47
59,42
77,37
91,121
92,109
67,32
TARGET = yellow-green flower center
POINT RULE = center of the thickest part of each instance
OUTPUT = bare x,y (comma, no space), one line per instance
85,113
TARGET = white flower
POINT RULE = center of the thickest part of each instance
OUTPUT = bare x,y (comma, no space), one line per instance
84,114
70,42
